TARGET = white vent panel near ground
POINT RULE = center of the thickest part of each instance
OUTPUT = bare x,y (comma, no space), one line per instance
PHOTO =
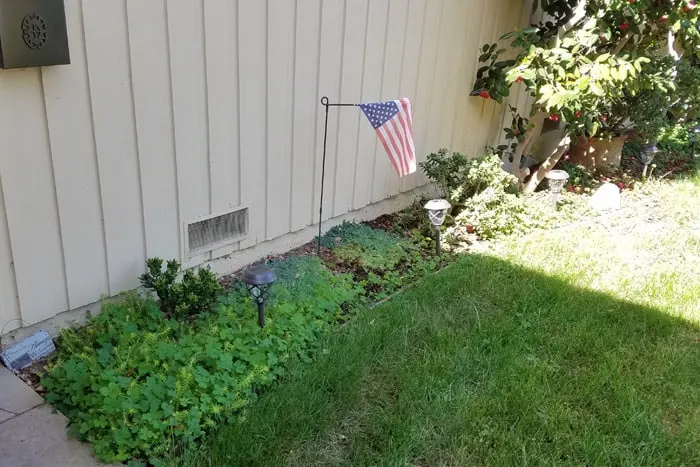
213,232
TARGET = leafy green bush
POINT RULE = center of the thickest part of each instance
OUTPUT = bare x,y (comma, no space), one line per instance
482,193
192,296
135,382
676,150
413,217
493,213
463,178
675,139
444,169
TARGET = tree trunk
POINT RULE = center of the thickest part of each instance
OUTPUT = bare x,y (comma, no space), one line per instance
547,165
518,156
579,14
524,146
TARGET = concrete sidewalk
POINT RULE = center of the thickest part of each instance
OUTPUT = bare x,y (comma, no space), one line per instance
30,434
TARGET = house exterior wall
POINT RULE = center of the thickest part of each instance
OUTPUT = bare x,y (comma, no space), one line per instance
173,110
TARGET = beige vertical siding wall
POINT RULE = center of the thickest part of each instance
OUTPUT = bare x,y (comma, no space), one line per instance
173,110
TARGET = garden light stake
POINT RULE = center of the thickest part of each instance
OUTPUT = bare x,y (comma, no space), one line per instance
649,151
258,279
437,211
557,180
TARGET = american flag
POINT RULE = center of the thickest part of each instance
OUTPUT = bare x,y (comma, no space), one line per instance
394,125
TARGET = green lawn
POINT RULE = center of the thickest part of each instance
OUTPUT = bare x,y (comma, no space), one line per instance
576,346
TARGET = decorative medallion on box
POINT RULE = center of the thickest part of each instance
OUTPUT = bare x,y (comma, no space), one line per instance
33,33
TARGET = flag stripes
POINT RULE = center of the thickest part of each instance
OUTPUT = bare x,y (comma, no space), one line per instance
394,125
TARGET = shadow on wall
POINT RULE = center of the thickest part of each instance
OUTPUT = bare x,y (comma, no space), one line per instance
499,358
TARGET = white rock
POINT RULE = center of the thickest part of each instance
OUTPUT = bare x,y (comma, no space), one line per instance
607,197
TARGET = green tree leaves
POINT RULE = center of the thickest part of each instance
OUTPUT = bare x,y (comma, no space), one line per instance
580,67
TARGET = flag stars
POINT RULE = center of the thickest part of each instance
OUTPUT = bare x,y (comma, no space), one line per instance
392,122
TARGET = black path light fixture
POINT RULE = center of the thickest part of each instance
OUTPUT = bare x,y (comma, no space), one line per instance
437,211
649,151
258,279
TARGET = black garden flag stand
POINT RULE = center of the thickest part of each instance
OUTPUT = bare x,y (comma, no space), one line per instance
393,123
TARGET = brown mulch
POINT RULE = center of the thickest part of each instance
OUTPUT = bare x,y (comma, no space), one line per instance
32,376
386,222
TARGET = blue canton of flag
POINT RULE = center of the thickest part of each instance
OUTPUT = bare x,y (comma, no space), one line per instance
380,113
394,125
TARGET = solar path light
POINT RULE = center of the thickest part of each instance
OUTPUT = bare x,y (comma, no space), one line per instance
437,211
649,151
258,279
557,181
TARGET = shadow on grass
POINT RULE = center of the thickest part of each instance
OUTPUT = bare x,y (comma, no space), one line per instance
484,363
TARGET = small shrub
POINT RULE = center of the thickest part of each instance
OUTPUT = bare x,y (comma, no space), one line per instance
676,147
136,383
483,195
493,213
192,296
444,169
462,178
414,217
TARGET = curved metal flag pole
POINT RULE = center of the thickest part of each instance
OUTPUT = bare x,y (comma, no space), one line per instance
326,104
393,123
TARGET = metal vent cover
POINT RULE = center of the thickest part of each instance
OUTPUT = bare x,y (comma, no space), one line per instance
215,231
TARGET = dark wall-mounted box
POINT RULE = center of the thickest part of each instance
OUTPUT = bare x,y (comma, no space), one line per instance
33,33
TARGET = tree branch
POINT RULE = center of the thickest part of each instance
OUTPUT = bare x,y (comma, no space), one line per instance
518,155
620,45
524,146
672,46
579,14
547,165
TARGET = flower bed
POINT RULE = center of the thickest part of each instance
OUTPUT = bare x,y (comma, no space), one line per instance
145,377
135,383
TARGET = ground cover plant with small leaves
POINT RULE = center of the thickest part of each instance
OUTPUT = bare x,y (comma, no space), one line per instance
382,262
153,373
136,381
